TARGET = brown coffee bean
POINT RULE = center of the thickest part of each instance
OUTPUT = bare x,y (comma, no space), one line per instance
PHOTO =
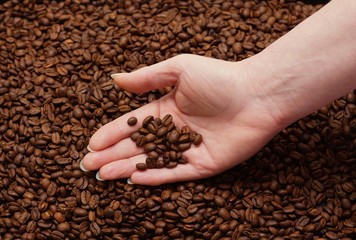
141,166
184,138
198,139
182,212
224,213
309,228
184,146
173,136
153,127
150,163
153,155
143,131
167,119
150,138
63,227
19,190
132,121
186,194
162,131
147,121
95,229
80,212
140,141
148,147
160,163
59,217
148,226
134,136
171,165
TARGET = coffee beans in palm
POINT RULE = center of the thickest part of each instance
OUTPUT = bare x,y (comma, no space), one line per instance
163,142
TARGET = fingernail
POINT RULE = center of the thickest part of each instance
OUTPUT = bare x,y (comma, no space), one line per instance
114,75
89,149
97,176
82,167
129,181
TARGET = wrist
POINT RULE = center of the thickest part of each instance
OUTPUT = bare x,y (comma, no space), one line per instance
270,91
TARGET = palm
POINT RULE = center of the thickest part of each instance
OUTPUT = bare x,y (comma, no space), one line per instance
206,99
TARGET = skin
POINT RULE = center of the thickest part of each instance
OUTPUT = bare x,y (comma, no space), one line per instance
236,106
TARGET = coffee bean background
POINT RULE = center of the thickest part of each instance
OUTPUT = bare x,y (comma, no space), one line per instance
55,92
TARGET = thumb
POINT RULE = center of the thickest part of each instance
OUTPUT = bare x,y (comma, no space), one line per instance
160,75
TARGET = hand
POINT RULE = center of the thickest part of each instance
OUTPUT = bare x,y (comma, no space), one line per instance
215,98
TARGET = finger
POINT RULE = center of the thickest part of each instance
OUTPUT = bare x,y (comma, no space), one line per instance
199,165
121,150
154,177
160,75
120,169
118,129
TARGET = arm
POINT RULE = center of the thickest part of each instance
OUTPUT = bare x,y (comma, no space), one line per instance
312,65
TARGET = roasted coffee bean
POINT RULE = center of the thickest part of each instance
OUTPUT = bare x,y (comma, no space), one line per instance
140,141
132,121
148,147
167,119
141,166
160,163
184,146
153,127
153,155
197,140
63,227
173,136
95,229
150,163
171,164
134,136
150,138
147,121
162,131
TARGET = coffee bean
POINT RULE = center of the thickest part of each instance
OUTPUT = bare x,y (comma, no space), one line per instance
173,136
147,121
153,127
59,217
140,141
132,121
150,163
95,229
80,212
160,163
197,140
162,131
184,146
150,138
63,227
134,136
171,165
167,119
141,166
153,155
148,147
19,190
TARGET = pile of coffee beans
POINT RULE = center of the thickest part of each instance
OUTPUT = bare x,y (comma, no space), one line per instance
56,58
163,141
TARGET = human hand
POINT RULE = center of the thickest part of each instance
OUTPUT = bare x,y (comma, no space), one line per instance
215,98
